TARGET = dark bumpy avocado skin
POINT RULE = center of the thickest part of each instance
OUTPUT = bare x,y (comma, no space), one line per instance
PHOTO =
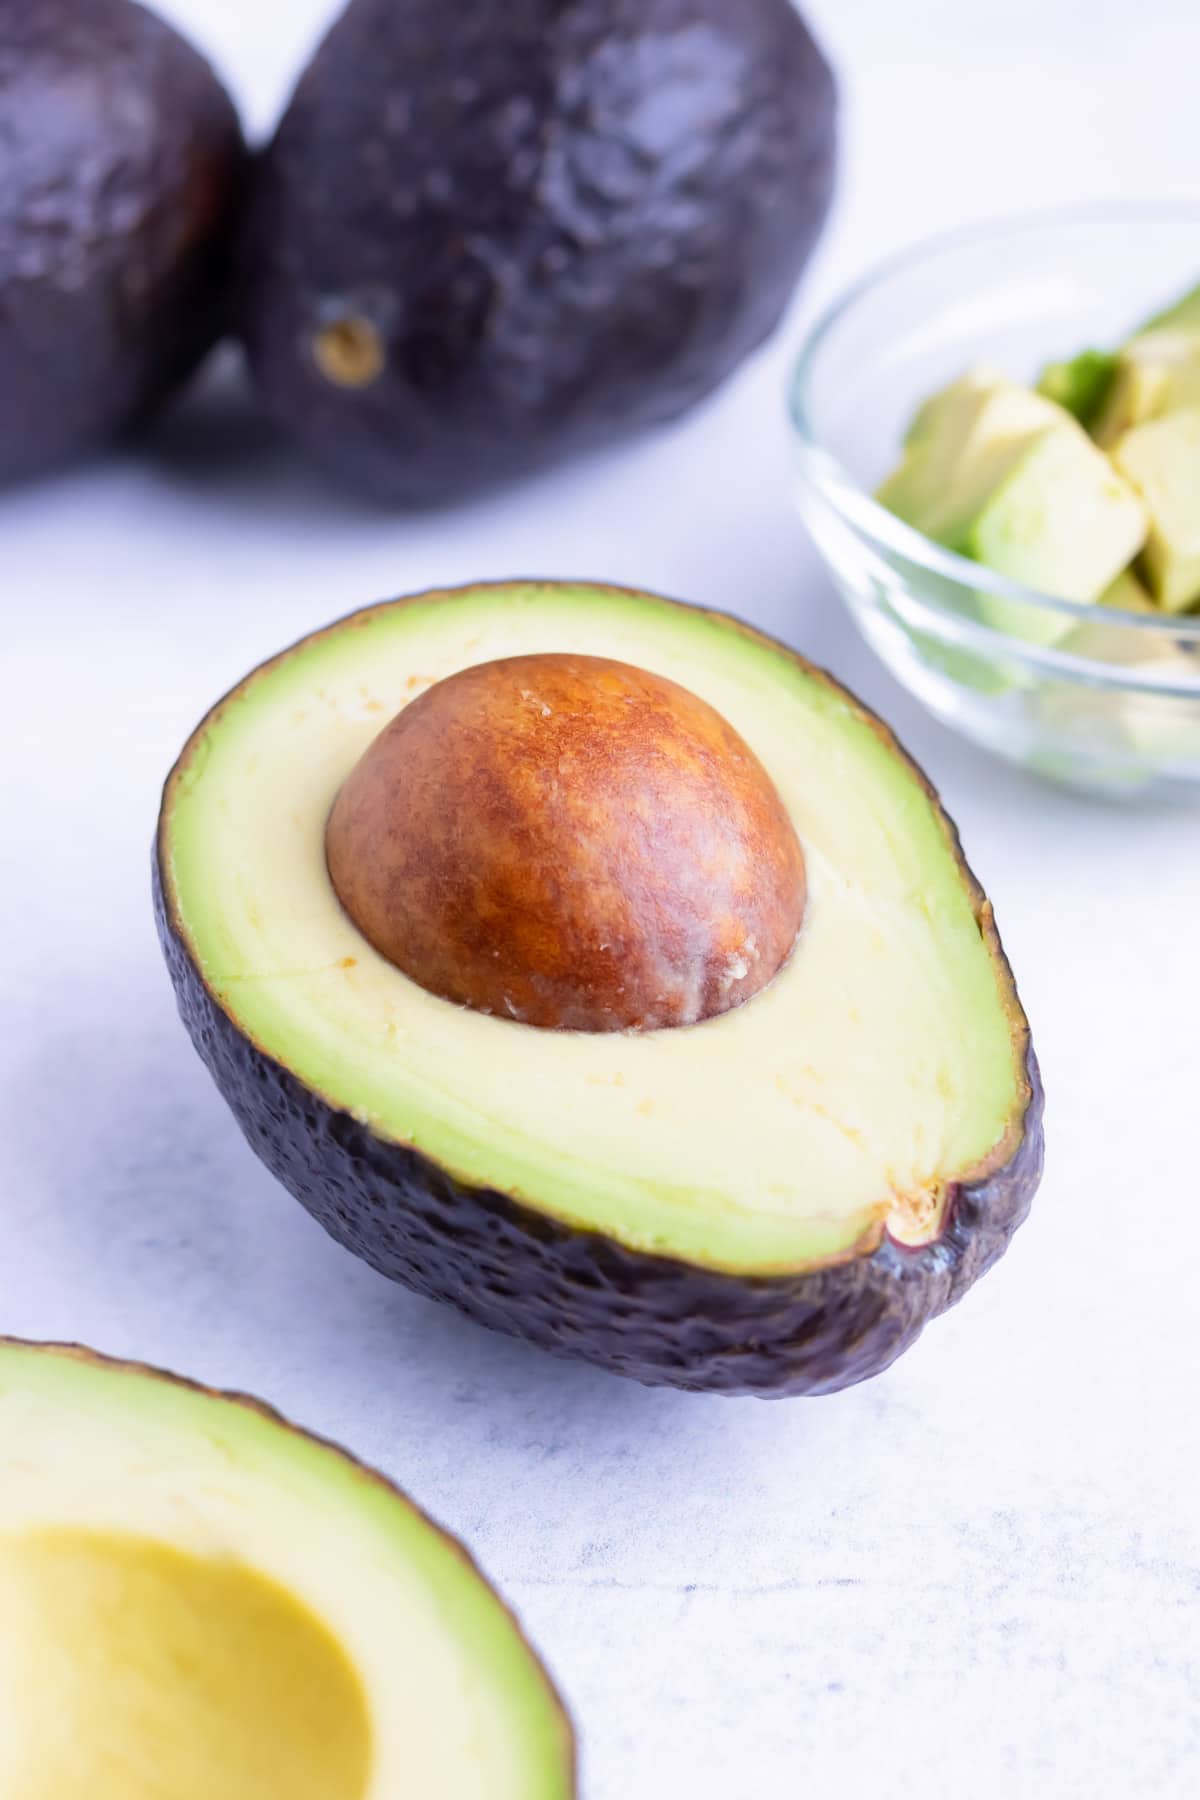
660,1320
578,1294
557,220
123,162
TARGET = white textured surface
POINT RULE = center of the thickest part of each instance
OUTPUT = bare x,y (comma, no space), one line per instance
979,1576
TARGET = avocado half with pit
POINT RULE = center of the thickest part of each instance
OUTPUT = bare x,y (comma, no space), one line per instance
199,1600
598,965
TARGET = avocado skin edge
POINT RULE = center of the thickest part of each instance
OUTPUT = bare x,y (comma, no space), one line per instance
117,226
562,228
577,1293
95,1359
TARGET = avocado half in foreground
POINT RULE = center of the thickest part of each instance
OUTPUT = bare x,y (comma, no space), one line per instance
199,1600
797,1112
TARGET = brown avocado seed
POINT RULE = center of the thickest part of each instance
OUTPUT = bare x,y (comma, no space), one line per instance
572,843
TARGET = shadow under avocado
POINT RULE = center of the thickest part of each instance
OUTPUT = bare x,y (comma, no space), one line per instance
150,1205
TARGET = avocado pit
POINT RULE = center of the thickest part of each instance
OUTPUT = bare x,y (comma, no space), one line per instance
572,843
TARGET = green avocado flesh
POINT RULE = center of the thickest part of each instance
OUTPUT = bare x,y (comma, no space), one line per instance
1082,385
1182,315
1155,375
197,1600
883,1063
1162,460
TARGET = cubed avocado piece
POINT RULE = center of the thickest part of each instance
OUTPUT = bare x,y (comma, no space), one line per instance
1164,727
1182,315
1157,371
958,448
1119,738
1004,475
1158,727
1064,522
1127,594
1162,461
1155,374
950,414
1103,639
920,489
1081,386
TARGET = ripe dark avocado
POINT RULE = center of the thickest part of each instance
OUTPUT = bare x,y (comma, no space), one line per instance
774,1200
123,163
198,1599
489,235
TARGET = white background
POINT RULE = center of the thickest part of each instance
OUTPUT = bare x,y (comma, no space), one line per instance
979,1575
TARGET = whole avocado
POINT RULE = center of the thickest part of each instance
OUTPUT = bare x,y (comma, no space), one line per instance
486,236
123,162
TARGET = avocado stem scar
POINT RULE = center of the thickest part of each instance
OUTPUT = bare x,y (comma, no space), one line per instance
349,352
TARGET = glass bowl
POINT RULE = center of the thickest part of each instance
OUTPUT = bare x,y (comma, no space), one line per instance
1116,712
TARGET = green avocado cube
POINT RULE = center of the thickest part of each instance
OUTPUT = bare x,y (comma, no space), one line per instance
1062,521
957,448
1102,639
1081,386
1006,476
1155,375
1183,315
1162,461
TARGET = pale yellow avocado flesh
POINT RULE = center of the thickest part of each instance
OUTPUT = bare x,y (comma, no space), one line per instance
199,1603
1102,640
960,447
1162,460
884,1062
103,1623
1062,522
1157,373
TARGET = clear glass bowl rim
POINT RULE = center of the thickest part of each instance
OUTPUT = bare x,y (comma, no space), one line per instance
881,528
